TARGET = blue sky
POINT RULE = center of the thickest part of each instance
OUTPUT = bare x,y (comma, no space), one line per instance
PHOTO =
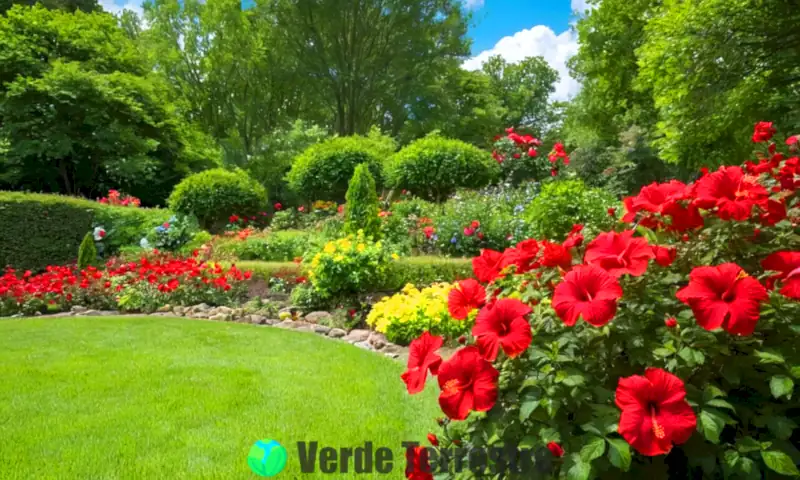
513,29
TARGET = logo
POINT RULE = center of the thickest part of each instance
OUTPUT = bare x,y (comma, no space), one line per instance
267,458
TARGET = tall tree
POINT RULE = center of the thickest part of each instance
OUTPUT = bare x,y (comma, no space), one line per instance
524,89
65,5
365,59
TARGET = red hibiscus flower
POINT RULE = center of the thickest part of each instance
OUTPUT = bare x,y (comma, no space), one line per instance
733,193
278,206
469,231
653,198
619,253
587,292
724,296
555,449
788,264
417,465
671,322
683,218
233,218
428,232
503,325
532,152
475,224
422,357
776,211
487,266
763,132
574,237
468,383
523,256
665,255
556,255
465,297
655,413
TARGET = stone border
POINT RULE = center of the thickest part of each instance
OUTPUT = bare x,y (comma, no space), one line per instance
365,339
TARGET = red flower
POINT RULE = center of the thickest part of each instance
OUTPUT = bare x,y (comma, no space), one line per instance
776,211
417,465
469,231
503,325
468,383
465,297
788,264
433,440
487,266
422,357
655,413
532,152
523,256
428,232
732,192
301,209
233,218
791,140
671,322
556,255
555,449
665,255
653,198
619,253
480,235
475,224
574,237
516,155
724,296
165,225
278,206
612,212
102,233
763,132
589,293
684,218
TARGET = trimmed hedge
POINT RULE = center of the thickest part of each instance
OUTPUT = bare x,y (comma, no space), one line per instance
324,170
37,230
278,246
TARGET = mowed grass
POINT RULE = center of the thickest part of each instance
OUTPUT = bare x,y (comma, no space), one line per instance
154,397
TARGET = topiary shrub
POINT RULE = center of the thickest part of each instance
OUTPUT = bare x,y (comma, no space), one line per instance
361,212
563,203
434,167
212,196
87,253
324,170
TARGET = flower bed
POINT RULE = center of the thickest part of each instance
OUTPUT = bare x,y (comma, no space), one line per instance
674,337
143,285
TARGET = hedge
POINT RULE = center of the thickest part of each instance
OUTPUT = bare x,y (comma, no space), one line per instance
37,230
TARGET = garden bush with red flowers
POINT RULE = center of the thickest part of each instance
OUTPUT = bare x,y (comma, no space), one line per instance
144,285
667,347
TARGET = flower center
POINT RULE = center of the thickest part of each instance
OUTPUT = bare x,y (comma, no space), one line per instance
451,387
729,295
658,429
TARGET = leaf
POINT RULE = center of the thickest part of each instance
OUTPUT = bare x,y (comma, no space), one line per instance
731,458
527,442
579,470
780,462
720,403
781,385
595,448
712,425
619,453
781,427
768,357
712,392
574,380
662,352
796,371
528,405
747,444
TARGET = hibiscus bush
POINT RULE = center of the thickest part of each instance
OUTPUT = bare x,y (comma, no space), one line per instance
665,347
563,203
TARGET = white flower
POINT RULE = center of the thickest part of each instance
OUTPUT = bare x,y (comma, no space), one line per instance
144,243
99,233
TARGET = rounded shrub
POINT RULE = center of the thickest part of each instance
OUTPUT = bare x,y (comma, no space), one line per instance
324,170
213,195
434,167
563,203
362,208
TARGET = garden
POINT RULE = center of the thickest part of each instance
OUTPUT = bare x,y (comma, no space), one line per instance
215,231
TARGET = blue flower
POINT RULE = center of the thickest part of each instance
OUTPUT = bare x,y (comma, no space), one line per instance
453,240
160,229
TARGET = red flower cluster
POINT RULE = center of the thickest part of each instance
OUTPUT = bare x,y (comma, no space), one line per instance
119,199
525,144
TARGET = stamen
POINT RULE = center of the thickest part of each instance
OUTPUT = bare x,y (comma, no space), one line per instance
658,430
451,387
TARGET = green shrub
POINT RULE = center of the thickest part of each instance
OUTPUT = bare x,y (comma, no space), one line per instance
426,270
361,212
563,203
324,170
87,253
434,167
212,196
279,246
37,230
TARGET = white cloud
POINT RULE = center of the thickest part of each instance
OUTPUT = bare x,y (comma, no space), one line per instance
473,4
579,5
111,7
537,41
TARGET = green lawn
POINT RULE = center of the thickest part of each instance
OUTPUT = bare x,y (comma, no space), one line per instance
152,397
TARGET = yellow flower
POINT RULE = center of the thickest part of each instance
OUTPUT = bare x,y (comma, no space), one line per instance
395,256
361,247
338,258
330,247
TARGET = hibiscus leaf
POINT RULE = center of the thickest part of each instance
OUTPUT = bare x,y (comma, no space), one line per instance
711,392
781,385
594,448
720,403
748,444
796,371
712,424
527,441
579,470
574,380
770,357
619,453
749,468
528,405
548,435
731,458
781,427
662,352
780,462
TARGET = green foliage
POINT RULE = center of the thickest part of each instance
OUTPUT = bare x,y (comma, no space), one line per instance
362,209
324,170
276,246
173,234
563,203
65,5
87,252
38,230
434,167
82,112
426,270
213,195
